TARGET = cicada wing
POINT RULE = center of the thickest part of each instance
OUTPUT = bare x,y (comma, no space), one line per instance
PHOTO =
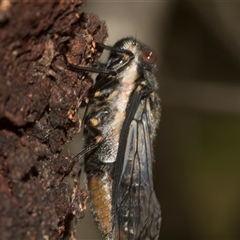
137,214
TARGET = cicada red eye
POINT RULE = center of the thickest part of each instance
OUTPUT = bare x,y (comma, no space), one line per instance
149,56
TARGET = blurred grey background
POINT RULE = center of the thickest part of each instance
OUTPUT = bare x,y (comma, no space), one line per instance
197,157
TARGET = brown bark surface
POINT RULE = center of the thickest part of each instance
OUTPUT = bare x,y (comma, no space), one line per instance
39,100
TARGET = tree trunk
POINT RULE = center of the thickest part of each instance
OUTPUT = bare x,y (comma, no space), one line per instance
39,100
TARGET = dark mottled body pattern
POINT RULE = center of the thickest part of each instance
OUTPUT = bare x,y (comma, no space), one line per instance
122,116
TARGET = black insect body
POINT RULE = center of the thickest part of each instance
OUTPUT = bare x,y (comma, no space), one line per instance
120,125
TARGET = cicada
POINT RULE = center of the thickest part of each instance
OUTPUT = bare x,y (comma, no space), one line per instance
120,125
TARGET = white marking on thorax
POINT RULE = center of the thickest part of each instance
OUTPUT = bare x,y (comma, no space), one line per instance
127,84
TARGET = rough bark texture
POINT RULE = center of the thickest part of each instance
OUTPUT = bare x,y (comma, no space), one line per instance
39,99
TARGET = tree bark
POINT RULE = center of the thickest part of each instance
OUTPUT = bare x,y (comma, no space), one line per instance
39,100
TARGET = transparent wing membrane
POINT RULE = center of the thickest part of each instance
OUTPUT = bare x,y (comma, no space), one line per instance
137,209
